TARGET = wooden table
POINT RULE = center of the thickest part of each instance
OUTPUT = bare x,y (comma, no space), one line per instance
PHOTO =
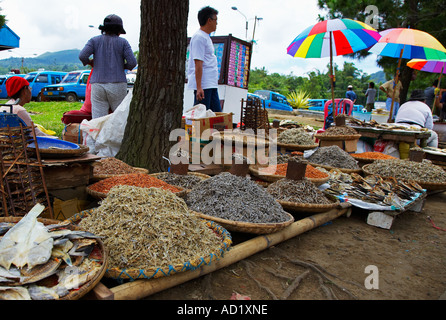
408,136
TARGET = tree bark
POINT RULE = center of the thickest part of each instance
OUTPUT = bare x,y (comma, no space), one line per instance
157,104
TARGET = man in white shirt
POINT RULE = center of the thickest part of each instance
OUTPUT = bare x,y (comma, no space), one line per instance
417,113
202,72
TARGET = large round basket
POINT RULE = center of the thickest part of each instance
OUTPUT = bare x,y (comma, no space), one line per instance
297,147
307,207
337,137
430,186
249,227
88,286
61,153
202,176
344,170
97,177
255,171
157,272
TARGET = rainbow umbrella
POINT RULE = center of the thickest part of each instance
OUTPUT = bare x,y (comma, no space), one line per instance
406,43
432,66
333,38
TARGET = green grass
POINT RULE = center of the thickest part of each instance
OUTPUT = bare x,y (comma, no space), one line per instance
49,114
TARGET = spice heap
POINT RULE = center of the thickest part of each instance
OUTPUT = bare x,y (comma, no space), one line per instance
150,227
234,198
372,155
184,181
333,156
296,136
408,170
302,191
338,131
112,165
281,170
284,158
135,179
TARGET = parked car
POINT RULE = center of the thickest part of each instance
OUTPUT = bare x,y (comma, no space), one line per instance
274,100
3,78
40,79
72,87
317,104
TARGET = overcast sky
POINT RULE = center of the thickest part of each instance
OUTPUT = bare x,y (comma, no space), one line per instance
55,25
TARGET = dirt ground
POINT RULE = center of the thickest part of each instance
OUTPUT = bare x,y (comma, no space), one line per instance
331,261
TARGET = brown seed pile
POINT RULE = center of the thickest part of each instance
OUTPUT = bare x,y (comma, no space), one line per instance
112,165
303,191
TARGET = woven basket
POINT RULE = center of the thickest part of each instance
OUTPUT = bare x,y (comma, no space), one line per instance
254,170
307,207
156,272
101,195
97,177
202,176
345,170
248,227
62,153
88,286
429,186
339,137
297,147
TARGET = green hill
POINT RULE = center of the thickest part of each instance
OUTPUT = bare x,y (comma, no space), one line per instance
66,60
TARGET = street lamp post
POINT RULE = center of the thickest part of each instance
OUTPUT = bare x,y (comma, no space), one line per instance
246,33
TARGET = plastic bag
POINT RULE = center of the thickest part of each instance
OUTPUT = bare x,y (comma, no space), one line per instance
198,112
104,135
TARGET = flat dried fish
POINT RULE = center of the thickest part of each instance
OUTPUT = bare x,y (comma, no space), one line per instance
27,243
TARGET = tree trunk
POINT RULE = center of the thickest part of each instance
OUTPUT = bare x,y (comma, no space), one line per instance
157,104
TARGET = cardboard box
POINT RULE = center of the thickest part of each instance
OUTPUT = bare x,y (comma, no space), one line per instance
220,122
72,133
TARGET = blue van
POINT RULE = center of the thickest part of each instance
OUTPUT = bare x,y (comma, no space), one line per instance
3,78
274,100
40,79
72,87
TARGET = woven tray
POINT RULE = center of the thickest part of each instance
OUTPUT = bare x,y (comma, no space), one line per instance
202,176
88,286
297,147
340,169
248,227
102,195
61,153
367,160
254,170
155,272
307,207
97,177
425,185
339,137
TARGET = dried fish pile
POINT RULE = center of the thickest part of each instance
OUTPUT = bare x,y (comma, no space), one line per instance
374,189
112,165
333,156
339,131
234,198
149,227
39,262
303,191
184,181
409,170
296,136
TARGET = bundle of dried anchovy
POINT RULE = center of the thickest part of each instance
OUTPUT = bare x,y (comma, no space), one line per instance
408,170
149,227
112,165
333,156
297,136
303,191
185,181
339,131
234,198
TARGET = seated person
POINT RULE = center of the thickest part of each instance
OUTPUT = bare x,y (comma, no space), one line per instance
18,88
417,113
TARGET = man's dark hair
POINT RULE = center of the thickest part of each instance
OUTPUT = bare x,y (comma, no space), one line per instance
205,14
110,29
372,84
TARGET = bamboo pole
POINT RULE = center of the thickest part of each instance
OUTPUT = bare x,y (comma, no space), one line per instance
143,288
